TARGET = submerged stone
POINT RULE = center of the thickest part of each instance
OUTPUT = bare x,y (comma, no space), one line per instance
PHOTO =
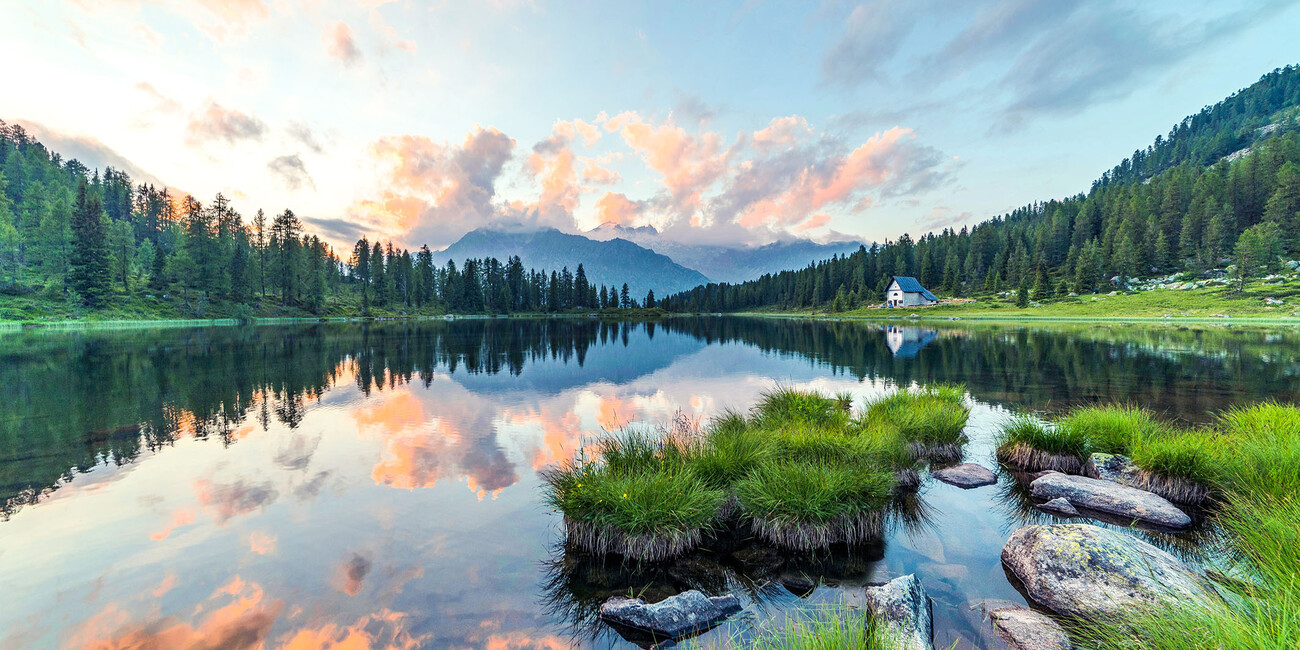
1059,506
967,476
673,617
1025,629
902,610
1111,498
1092,572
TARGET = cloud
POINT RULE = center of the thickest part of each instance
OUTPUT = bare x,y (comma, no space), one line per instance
1103,52
303,135
261,543
616,208
873,34
339,43
88,150
781,190
688,163
216,122
291,172
593,172
434,192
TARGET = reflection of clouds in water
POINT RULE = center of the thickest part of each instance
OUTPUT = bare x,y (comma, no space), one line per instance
243,618
419,449
261,543
180,517
223,501
383,629
352,574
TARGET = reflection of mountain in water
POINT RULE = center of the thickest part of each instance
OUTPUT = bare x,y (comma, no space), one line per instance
78,400
905,342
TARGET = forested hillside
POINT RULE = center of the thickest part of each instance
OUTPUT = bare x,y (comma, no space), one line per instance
1223,187
75,241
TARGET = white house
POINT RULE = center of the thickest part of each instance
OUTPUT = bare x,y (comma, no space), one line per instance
908,292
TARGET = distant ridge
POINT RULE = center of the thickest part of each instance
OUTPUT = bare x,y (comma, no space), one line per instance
605,262
728,263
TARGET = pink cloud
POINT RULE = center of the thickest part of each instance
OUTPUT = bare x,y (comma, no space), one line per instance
615,207
689,164
433,192
339,43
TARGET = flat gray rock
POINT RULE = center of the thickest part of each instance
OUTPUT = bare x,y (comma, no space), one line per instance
967,476
902,609
1025,629
1112,498
1059,506
673,617
1089,572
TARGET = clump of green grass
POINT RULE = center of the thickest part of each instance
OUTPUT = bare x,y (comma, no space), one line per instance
1178,465
931,419
1033,445
786,406
800,468
1261,450
1111,429
729,454
838,628
804,505
646,515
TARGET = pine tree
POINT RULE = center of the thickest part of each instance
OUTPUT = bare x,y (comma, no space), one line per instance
1022,295
88,272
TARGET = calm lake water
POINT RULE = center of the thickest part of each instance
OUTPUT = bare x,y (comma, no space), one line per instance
314,486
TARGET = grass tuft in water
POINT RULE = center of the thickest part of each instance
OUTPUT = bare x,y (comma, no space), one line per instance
1111,429
1030,444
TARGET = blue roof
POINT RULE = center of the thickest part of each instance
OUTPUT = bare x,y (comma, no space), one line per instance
911,285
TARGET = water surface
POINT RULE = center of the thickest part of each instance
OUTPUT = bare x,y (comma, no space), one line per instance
309,486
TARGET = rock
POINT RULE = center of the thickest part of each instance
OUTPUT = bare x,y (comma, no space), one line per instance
799,585
1111,498
1087,571
1293,265
902,609
1059,506
966,476
1111,467
673,617
1025,629
1273,301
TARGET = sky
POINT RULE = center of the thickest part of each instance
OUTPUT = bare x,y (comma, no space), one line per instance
736,123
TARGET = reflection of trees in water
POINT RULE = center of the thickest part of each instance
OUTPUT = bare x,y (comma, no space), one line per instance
75,400
576,583
1184,372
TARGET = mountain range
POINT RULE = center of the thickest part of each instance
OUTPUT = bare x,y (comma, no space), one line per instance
611,262
609,251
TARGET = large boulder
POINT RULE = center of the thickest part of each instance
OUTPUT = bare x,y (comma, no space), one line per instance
1025,629
966,475
1111,498
673,617
1092,572
902,610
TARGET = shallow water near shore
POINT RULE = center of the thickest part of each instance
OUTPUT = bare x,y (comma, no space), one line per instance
308,485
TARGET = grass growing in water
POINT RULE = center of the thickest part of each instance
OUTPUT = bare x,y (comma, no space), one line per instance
1035,446
803,504
930,419
1111,429
800,466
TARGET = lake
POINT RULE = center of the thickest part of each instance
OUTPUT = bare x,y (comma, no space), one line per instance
376,485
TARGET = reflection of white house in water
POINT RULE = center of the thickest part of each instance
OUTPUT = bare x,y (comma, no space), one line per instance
904,291
905,342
